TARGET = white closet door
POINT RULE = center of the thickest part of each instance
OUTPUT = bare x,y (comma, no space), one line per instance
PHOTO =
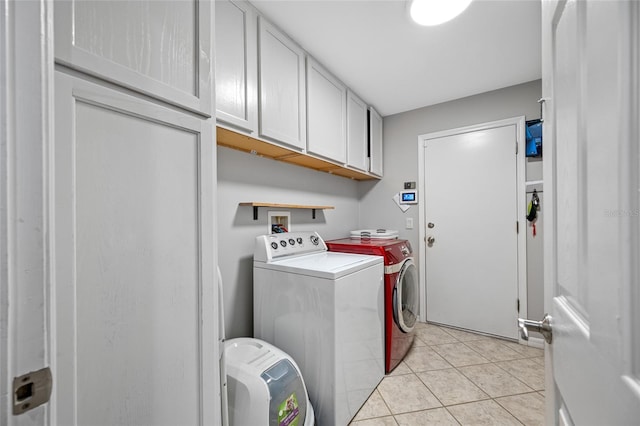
356,132
375,143
282,113
134,325
236,65
160,48
326,113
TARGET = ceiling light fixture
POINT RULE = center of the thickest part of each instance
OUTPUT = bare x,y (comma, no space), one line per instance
436,12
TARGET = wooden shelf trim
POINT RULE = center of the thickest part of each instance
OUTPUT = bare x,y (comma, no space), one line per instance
255,206
231,139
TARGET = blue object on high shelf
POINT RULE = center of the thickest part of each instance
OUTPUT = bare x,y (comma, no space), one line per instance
534,138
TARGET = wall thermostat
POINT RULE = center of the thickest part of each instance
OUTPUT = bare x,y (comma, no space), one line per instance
409,197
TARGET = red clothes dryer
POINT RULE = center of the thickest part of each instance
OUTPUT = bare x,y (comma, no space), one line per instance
401,291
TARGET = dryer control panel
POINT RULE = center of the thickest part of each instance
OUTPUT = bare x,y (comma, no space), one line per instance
276,246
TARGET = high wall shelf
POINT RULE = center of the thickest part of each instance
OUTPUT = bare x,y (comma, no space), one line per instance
256,205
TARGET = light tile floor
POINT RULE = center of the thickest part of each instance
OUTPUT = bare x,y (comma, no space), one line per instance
453,377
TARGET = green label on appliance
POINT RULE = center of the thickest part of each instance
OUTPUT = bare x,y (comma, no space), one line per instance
289,411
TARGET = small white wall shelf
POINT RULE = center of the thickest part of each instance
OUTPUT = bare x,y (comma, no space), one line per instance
534,184
256,205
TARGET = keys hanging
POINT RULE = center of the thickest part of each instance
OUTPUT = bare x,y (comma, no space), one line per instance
532,211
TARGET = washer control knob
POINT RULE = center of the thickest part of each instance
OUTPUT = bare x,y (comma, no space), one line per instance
314,240
291,242
274,246
283,243
299,240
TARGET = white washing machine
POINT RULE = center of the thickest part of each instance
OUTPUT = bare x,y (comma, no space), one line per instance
325,309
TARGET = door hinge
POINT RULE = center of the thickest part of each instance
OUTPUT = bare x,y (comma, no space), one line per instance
516,147
517,227
518,305
31,390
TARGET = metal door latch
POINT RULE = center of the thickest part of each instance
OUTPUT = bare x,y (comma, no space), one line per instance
543,327
31,390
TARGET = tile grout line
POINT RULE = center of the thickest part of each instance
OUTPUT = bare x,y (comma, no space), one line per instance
508,411
521,381
412,371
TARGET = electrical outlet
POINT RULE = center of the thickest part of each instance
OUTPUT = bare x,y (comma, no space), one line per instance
409,223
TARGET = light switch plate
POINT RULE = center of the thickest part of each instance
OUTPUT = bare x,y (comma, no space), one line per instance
409,223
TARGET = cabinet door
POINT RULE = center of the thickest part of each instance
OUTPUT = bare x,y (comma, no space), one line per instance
375,143
133,257
160,48
326,113
357,146
236,65
282,115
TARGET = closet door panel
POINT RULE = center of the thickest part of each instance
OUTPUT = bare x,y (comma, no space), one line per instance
282,87
326,113
375,143
160,48
133,257
356,132
236,65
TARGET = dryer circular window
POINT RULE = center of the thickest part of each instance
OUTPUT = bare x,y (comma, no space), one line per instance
405,297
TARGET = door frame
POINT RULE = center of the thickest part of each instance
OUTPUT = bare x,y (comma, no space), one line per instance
521,202
26,135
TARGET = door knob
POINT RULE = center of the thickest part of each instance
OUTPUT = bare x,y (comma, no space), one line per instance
543,327
430,241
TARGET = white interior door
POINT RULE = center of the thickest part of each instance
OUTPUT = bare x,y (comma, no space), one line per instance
471,210
590,82
134,326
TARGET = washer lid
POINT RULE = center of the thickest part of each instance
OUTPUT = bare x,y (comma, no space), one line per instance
329,265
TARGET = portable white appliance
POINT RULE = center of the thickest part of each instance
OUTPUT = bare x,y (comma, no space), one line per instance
265,386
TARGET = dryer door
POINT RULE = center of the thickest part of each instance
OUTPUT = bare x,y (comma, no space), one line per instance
405,297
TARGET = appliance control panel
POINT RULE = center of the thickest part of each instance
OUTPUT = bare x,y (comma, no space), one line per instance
277,246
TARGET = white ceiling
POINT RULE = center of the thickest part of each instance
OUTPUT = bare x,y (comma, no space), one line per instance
396,65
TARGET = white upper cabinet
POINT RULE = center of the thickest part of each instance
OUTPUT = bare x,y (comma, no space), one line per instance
326,113
282,114
375,143
357,133
160,48
236,65
267,88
